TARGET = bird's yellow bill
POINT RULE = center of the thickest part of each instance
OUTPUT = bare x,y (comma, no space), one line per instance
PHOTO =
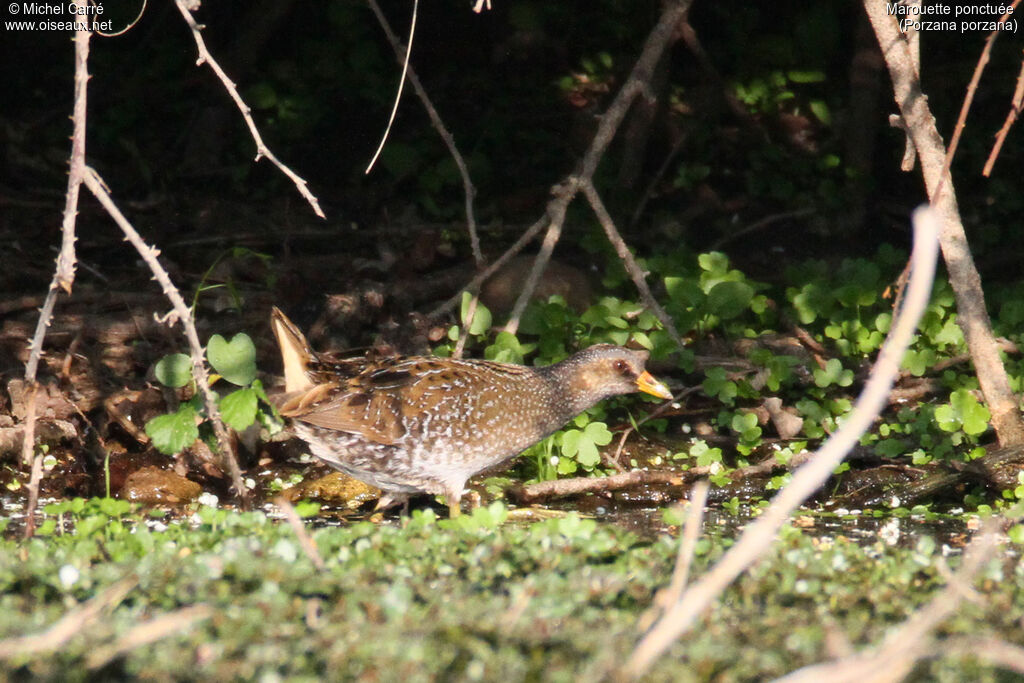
647,384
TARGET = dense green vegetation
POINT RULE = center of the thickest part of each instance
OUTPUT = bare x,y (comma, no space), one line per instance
761,193
474,598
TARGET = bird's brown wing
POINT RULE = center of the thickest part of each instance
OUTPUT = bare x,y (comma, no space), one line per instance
381,402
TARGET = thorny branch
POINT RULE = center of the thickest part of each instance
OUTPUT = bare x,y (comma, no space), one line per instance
181,311
64,276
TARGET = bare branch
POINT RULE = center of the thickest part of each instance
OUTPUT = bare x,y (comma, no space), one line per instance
629,261
202,379
760,534
688,542
660,37
490,270
556,215
261,149
1016,105
560,488
150,631
307,544
71,624
963,275
912,640
972,89
64,276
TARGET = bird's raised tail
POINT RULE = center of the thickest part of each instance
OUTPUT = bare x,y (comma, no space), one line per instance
295,352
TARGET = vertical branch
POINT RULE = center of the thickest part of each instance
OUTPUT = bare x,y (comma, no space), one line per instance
963,275
63,277
181,311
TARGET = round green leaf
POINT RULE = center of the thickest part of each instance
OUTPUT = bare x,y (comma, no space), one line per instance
729,299
238,409
235,361
174,370
481,317
173,432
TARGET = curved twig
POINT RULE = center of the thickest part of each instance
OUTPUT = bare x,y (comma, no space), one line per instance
435,119
760,534
401,86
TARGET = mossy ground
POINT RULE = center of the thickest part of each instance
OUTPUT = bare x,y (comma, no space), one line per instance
479,598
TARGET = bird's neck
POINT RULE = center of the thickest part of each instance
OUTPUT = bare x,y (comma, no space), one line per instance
572,396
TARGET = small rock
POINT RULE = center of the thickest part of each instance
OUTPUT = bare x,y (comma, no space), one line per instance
499,293
337,488
154,486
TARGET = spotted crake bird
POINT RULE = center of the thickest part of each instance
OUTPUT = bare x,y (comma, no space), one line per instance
426,425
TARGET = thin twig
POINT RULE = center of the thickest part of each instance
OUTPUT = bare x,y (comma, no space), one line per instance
528,236
629,261
435,119
1016,104
401,86
181,311
674,403
661,36
912,640
972,89
759,224
638,212
261,149
71,624
759,535
307,544
556,212
149,632
688,543
64,276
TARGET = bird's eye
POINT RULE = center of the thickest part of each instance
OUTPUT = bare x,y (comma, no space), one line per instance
623,367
